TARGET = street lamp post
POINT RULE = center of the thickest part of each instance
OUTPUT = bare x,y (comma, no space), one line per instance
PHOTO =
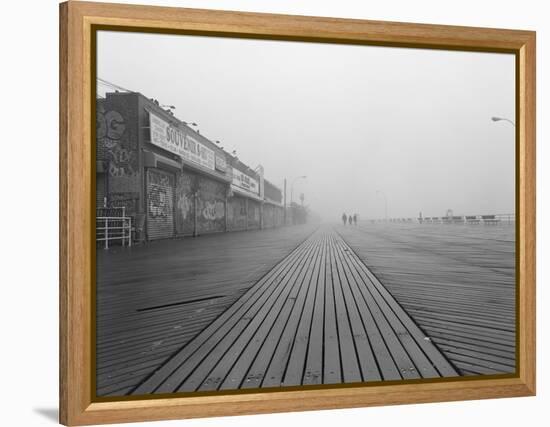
503,119
385,204
292,194
292,187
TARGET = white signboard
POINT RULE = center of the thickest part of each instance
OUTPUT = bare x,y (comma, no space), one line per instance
245,182
177,141
221,164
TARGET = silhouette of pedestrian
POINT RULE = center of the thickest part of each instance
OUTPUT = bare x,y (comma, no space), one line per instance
344,218
355,219
350,219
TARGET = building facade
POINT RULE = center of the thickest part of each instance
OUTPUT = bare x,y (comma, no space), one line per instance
172,180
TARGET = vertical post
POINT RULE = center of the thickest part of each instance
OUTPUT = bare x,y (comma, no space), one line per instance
284,204
106,233
246,207
195,199
226,210
262,215
123,224
130,231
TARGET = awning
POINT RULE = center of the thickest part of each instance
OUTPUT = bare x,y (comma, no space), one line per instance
244,193
154,160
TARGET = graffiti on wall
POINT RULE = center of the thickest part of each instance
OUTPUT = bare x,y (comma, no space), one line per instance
185,206
113,139
213,210
211,205
127,200
121,162
159,195
160,203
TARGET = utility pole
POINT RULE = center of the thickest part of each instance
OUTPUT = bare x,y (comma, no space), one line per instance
284,204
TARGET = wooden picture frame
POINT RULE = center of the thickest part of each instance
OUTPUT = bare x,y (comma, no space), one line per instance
78,405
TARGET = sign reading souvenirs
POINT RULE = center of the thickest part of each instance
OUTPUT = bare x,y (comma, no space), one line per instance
177,141
245,182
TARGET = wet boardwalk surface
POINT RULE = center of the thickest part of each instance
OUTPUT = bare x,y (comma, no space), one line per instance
306,305
318,317
153,299
456,281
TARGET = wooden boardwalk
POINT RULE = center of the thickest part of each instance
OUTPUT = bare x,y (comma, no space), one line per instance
319,316
456,281
153,299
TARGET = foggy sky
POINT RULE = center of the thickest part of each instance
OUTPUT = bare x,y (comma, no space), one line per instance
413,124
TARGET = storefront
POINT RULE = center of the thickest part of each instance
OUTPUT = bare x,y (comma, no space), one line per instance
237,217
202,181
245,203
171,180
160,204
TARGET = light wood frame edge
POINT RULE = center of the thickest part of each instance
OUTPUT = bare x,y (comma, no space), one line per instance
76,406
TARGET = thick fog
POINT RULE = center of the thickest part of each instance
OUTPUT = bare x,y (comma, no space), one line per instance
362,123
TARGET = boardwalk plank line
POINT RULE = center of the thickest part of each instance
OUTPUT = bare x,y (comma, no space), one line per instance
294,372
214,329
200,363
319,316
254,376
313,369
348,353
332,372
275,372
385,361
409,333
370,369
458,287
231,370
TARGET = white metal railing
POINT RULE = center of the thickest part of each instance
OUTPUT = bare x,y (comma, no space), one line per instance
457,219
508,218
113,225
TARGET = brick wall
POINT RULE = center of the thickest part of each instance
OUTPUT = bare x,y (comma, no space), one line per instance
117,147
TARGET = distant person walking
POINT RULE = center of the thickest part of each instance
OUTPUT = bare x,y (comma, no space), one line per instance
344,218
355,219
350,219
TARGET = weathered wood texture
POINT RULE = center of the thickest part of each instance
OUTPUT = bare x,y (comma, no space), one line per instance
456,281
153,299
318,317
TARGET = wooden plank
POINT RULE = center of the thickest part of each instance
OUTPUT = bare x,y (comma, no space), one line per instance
270,343
332,369
251,372
227,334
232,368
313,369
350,365
226,321
294,372
385,362
275,372
370,370
456,284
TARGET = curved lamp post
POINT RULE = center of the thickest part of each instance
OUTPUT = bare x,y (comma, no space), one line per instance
503,119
